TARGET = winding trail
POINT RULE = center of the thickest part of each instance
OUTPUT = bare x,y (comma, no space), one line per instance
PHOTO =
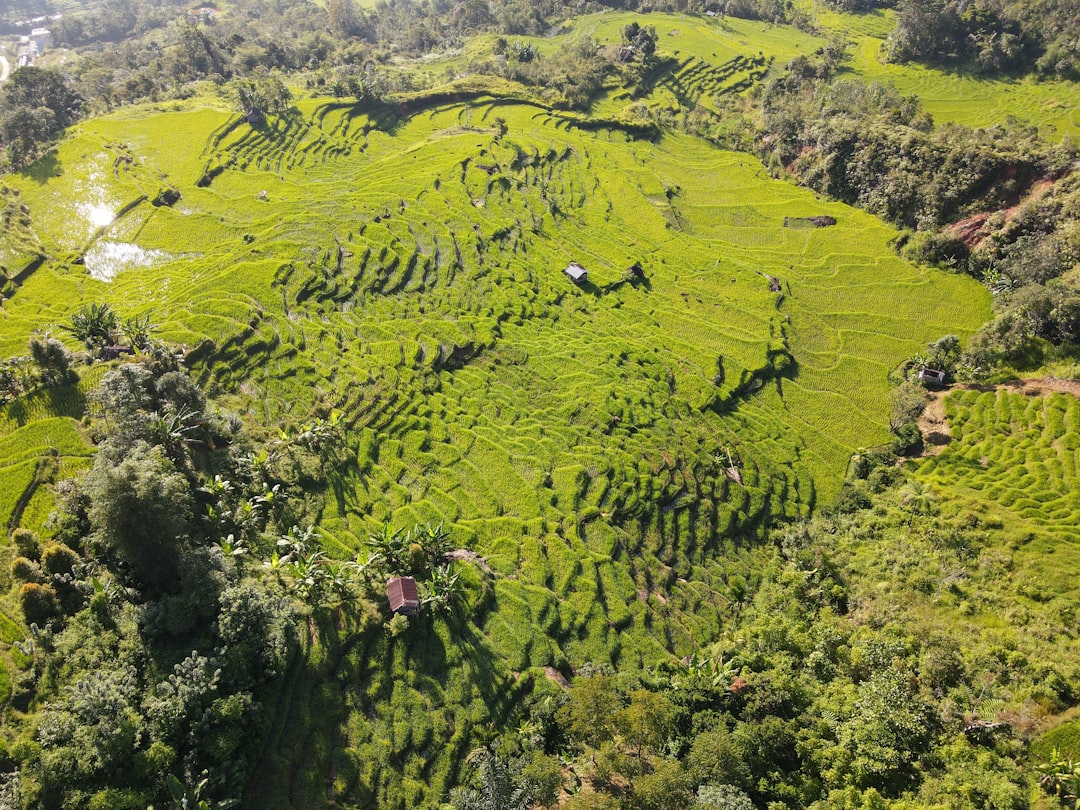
934,427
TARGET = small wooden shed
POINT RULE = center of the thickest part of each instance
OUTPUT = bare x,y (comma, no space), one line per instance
932,376
576,273
402,595
113,352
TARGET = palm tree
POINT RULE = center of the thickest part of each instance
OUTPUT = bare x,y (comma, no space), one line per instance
185,797
918,498
137,331
500,788
175,430
94,324
443,589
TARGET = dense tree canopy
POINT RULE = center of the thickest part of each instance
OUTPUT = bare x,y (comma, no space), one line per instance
35,105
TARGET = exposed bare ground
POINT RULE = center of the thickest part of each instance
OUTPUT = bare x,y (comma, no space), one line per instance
934,427
971,231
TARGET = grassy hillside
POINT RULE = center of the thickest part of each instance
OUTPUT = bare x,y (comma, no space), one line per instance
342,241
1017,455
953,96
608,449
408,271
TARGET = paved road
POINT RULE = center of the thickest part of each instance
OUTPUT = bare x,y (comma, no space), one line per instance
5,68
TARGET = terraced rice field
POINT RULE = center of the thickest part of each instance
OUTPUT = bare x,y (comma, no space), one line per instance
405,265
953,96
1017,452
408,270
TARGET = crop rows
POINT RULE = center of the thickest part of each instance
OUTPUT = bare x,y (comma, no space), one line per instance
970,99
1021,453
578,438
348,286
694,80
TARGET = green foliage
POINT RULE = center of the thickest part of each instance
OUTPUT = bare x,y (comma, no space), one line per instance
190,798
35,105
986,36
1060,776
716,759
867,145
58,560
721,797
24,569
95,324
906,403
589,717
39,603
26,543
502,785
139,513
53,360
606,480
254,630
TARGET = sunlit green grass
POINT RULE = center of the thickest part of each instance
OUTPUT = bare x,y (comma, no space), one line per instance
955,96
409,273
1017,452
372,254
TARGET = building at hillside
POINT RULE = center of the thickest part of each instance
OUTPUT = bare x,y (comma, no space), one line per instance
43,38
576,273
402,595
932,376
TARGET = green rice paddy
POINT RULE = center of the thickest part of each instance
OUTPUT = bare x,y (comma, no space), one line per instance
954,96
1016,452
408,270
404,265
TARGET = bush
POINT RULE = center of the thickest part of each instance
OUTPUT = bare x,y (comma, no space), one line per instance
907,437
26,543
850,500
39,603
53,360
24,569
118,799
721,797
58,559
938,249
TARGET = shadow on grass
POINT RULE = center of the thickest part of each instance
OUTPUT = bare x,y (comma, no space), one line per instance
364,711
66,400
44,169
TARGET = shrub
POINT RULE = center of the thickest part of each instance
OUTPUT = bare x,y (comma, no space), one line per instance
117,799
940,249
907,437
851,499
24,569
53,360
39,603
26,543
59,559
721,797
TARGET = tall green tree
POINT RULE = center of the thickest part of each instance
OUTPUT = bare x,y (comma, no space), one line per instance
139,513
35,105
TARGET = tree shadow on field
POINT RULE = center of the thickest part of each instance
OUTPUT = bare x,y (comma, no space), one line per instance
44,169
66,400
359,680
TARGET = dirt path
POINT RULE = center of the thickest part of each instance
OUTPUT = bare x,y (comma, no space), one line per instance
934,427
